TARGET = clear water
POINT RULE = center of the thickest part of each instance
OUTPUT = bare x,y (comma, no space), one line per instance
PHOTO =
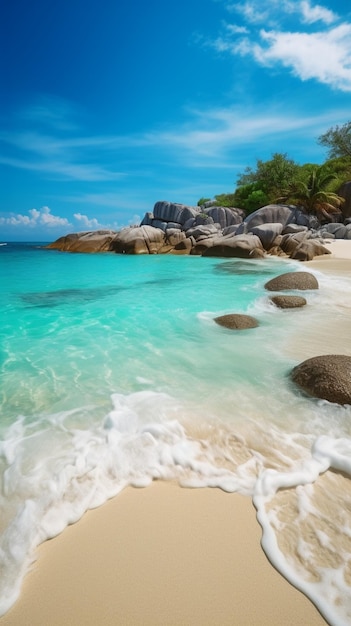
113,372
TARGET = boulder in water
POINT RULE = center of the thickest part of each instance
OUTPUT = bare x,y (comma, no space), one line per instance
292,280
288,302
236,321
327,377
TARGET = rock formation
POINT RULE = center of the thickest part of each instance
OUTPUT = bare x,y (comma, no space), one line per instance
288,302
292,280
87,241
236,321
327,377
210,230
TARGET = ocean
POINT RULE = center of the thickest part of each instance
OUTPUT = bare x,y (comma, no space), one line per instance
114,373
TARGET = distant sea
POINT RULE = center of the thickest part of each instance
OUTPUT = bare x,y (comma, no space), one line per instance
114,373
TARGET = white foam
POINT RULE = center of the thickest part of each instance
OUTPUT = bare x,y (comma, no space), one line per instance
60,476
331,594
53,475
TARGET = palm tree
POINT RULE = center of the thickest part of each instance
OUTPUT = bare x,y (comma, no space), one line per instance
314,195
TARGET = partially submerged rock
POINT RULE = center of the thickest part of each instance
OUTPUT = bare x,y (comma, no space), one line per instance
87,241
292,280
236,321
327,377
288,302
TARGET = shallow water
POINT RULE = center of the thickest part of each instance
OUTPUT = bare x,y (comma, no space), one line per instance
114,373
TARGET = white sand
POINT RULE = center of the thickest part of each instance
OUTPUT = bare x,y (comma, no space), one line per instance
161,556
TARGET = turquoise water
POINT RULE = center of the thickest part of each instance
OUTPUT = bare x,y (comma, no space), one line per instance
113,372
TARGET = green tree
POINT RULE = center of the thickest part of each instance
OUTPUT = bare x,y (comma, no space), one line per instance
315,195
250,197
338,140
271,177
225,199
202,201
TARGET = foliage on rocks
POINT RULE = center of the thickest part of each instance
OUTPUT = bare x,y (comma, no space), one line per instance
281,177
315,195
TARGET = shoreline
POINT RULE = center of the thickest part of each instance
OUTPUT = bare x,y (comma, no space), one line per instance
163,555
166,555
339,261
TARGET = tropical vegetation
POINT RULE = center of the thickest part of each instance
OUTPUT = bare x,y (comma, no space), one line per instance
280,179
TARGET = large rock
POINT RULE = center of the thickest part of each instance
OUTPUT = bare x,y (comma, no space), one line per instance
270,214
241,246
200,247
139,240
174,236
147,219
286,215
327,377
308,249
203,232
345,192
173,212
159,224
236,321
267,233
225,216
184,247
87,241
290,241
292,229
292,280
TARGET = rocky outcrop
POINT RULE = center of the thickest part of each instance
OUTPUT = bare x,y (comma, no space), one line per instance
87,241
288,302
139,240
173,212
327,377
236,321
307,250
267,233
292,280
224,216
274,214
336,230
210,230
207,231
240,246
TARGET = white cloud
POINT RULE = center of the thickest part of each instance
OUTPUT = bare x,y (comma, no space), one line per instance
236,30
253,12
324,56
35,218
86,222
311,14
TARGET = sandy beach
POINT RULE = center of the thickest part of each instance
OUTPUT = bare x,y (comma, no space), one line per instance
166,556
160,556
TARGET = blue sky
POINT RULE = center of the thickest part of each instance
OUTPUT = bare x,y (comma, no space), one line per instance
108,107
